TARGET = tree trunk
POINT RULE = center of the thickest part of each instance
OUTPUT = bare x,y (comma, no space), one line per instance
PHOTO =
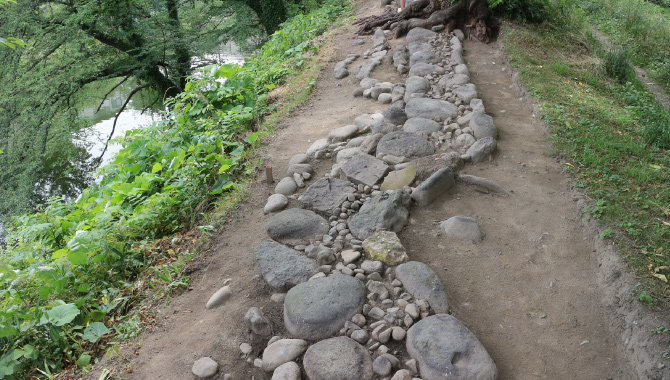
472,16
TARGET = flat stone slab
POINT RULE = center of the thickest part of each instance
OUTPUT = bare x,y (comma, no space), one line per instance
434,109
339,358
342,133
296,226
389,212
481,149
317,309
449,81
482,126
435,186
327,194
421,125
422,69
404,144
420,35
446,350
423,283
385,246
364,169
424,56
283,267
463,227
399,178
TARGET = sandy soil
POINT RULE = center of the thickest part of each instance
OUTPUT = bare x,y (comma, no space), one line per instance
535,291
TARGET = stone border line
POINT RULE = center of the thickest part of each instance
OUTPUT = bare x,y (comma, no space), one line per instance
348,287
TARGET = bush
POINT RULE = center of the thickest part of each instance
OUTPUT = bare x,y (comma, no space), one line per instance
533,11
617,66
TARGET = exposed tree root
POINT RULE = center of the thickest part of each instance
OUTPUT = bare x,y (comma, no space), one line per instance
473,16
483,182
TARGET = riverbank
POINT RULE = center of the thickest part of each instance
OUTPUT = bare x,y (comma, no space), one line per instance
67,269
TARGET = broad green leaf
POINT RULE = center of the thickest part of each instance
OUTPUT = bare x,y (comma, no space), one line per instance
45,292
97,315
60,253
83,360
63,314
30,352
7,271
95,331
77,257
8,331
252,138
157,167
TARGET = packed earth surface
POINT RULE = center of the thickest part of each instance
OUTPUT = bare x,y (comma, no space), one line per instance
423,230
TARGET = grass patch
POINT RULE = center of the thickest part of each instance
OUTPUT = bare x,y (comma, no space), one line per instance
601,126
640,27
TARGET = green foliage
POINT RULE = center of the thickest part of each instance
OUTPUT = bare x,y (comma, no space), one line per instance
617,66
532,11
66,276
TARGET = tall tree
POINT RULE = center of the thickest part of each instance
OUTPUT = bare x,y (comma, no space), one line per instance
71,43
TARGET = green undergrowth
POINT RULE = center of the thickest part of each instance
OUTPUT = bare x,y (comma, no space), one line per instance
72,270
613,135
641,28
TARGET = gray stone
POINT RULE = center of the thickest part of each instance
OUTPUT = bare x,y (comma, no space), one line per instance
276,202
205,367
385,246
364,169
286,186
358,92
366,70
481,149
338,358
462,227
317,146
466,92
283,267
421,125
459,34
287,371
457,56
257,322
423,283
420,35
371,266
377,90
300,158
342,72
282,351
465,119
434,109
219,298
385,98
461,69
367,121
395,114
414,47
327,194
387,211
399,178
358,42
356,142
403,374
317,309
423,69
296,226
416,85
437,28
435,186
425,56
482,126
404,144
342,133
464,140
370,144
346,154
447,350
477,105
403,69
426,166
300,168
367,83
382,366
449,81
360,336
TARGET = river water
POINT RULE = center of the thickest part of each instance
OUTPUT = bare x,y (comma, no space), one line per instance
69,179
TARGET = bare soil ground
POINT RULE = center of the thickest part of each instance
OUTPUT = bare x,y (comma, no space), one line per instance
545,301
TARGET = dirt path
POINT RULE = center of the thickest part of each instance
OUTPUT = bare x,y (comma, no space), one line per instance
530,291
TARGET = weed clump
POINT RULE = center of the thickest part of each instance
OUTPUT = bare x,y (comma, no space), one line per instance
617,66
